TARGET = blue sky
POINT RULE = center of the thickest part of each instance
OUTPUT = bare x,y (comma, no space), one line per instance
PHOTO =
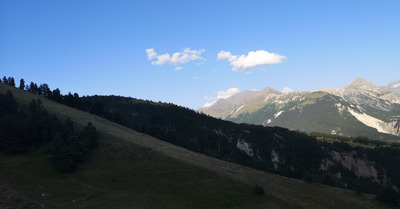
99,47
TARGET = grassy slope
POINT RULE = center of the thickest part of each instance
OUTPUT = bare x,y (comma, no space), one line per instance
122,175
171,183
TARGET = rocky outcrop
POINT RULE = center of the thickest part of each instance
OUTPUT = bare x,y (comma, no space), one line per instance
244,146
275,159
359,167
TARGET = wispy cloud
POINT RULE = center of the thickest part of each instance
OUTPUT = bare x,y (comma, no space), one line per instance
251,60
186,55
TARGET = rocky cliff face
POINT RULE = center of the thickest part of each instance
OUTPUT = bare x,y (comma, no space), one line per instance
360,168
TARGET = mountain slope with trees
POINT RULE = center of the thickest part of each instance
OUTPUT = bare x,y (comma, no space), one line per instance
276,150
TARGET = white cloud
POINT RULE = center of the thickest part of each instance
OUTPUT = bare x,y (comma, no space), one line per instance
186,56
209,98
177,58
253,59
151,54
224,55
197,78
287,90
208,104
228,93
161,59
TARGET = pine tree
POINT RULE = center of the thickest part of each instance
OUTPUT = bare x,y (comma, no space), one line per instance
56,95
22,84
32,87
5,81
11,81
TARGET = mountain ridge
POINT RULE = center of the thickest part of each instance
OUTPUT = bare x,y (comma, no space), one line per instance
360,105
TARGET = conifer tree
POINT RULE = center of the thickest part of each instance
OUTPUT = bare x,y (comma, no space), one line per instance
11,81
22,84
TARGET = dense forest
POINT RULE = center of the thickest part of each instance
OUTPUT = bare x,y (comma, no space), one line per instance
273,149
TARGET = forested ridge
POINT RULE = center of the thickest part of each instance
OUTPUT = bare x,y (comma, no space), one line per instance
274,149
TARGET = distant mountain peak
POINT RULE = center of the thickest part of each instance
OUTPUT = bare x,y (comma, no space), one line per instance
360,83
270,90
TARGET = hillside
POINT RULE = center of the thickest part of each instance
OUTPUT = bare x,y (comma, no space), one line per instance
287,193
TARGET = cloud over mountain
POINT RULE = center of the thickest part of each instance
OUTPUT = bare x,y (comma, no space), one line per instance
228,93
251,60
287,90
221,95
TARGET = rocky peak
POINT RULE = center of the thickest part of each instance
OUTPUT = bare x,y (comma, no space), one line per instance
360,83
268,91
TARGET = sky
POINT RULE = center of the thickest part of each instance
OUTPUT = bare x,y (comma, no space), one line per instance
192,52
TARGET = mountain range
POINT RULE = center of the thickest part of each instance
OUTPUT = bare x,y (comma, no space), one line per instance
358,109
